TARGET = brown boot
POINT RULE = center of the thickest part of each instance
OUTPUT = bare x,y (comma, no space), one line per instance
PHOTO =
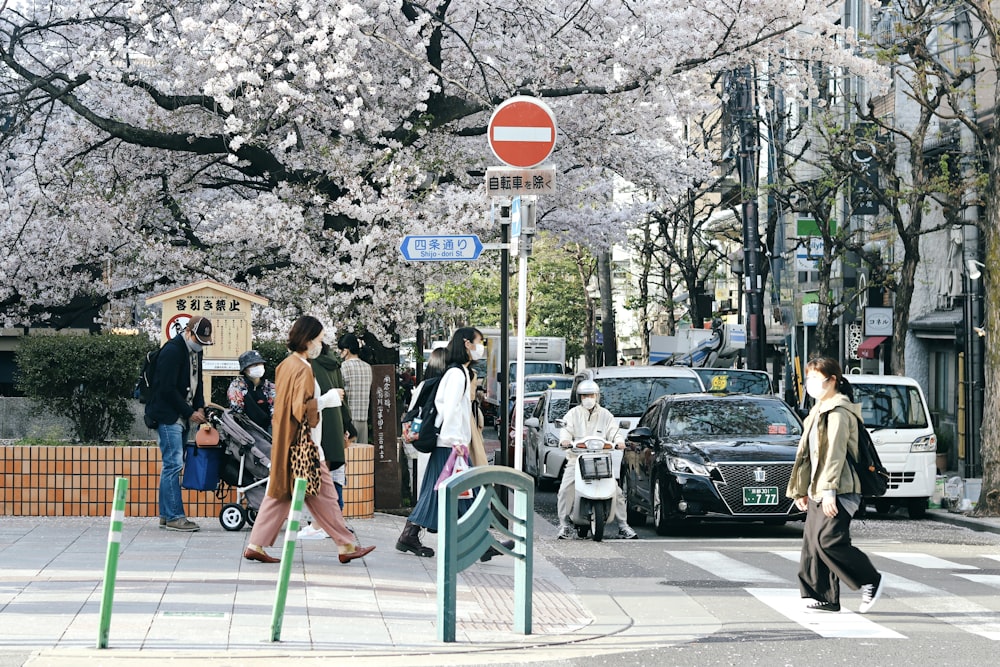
409,540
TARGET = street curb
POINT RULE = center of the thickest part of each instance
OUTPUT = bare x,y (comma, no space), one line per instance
983,525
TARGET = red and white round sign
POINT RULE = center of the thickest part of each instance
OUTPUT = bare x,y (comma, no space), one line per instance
522,132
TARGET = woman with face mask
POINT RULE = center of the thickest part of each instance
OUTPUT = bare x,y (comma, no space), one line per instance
250,393
455,420
825,486
298,400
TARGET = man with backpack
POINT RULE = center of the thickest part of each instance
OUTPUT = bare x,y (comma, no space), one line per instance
176,399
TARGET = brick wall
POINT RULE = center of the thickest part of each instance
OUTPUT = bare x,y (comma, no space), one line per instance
74,480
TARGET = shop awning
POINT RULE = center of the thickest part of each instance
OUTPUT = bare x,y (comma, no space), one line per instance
867,348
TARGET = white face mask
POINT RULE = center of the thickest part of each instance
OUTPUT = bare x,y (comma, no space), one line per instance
477,351
315,348
588,403
814,387
255,371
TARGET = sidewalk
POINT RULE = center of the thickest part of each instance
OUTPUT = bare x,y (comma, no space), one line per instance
186,598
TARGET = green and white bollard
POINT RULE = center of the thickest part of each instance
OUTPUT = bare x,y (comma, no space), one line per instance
288,553
111,562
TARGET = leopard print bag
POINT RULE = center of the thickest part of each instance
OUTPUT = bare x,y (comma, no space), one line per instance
303,460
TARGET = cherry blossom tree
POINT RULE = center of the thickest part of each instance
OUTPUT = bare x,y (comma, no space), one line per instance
285,147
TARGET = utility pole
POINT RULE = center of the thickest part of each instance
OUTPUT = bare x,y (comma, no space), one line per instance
743,113
608,334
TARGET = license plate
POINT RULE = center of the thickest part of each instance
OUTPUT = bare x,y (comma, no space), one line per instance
760,495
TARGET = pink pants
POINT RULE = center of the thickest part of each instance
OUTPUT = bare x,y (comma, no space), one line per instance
323,506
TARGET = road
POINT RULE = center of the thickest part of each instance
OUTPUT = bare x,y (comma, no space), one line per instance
942,599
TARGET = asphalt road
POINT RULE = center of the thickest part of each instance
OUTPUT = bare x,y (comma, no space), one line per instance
942,599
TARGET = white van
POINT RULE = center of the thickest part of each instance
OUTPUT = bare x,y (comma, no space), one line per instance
895,413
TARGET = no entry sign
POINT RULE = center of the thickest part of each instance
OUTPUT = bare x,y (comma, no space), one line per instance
522,132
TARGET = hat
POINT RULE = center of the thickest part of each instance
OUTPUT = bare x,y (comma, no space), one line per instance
201,327
250,358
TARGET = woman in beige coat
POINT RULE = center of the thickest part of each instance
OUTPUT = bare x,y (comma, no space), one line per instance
825,486
297,399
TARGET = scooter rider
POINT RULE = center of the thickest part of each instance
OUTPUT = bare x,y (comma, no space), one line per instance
588,419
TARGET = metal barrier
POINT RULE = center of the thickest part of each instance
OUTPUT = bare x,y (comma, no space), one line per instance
462,541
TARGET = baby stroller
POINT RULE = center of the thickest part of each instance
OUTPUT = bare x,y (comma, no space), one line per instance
245,465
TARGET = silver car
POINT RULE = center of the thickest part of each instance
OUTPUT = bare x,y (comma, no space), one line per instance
544,459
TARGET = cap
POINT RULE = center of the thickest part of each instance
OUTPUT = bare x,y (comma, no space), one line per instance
201,327
250,358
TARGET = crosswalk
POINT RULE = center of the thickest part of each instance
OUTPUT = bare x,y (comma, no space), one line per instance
965,593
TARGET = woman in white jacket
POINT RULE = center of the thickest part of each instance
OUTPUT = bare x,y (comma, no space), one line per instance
454,407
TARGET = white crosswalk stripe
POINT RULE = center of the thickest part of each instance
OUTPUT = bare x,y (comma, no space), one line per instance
942,605
846,624
988,579
924,561
726,567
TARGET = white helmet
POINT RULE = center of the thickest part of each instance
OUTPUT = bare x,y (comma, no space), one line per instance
588,387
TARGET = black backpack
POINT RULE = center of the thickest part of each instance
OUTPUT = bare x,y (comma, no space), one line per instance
425,411
873,475
144,385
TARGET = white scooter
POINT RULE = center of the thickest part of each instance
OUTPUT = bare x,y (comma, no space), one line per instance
598,466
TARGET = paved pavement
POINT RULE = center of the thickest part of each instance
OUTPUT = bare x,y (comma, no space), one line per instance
190,599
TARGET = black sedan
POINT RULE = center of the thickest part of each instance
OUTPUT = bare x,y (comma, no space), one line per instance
700,456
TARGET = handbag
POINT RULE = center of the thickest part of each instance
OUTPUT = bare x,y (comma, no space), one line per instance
303,460
457,463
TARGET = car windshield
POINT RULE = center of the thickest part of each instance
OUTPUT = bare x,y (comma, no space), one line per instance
734,381
535,368
890,405
541,384
729,418
630,396
558,407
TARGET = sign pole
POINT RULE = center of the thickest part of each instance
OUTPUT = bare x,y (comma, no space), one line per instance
522,317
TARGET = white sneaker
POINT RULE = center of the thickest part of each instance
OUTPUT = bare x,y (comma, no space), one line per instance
870,593
310,532
565,533
626,533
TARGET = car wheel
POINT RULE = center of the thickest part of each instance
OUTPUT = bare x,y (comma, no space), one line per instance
917,508
661,508
634,516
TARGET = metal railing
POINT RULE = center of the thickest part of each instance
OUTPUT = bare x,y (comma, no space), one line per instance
462,540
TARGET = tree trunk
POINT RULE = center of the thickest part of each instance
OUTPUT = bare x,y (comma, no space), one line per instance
901,307
989,499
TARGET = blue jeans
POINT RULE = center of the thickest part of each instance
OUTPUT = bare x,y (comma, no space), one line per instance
171,437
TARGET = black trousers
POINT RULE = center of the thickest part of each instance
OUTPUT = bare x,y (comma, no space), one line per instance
829,557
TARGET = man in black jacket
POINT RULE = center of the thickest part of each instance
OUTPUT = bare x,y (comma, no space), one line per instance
177,399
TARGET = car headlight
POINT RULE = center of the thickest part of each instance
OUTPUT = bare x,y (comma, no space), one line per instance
927,443
551,440
681,466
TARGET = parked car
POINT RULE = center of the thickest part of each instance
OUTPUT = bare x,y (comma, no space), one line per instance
529,408
536,384
705,456
628,390
895,413
544,459
735,381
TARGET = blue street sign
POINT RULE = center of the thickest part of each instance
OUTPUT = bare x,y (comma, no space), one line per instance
441,248
515,217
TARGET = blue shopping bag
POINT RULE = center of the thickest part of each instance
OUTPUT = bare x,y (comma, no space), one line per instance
201,468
